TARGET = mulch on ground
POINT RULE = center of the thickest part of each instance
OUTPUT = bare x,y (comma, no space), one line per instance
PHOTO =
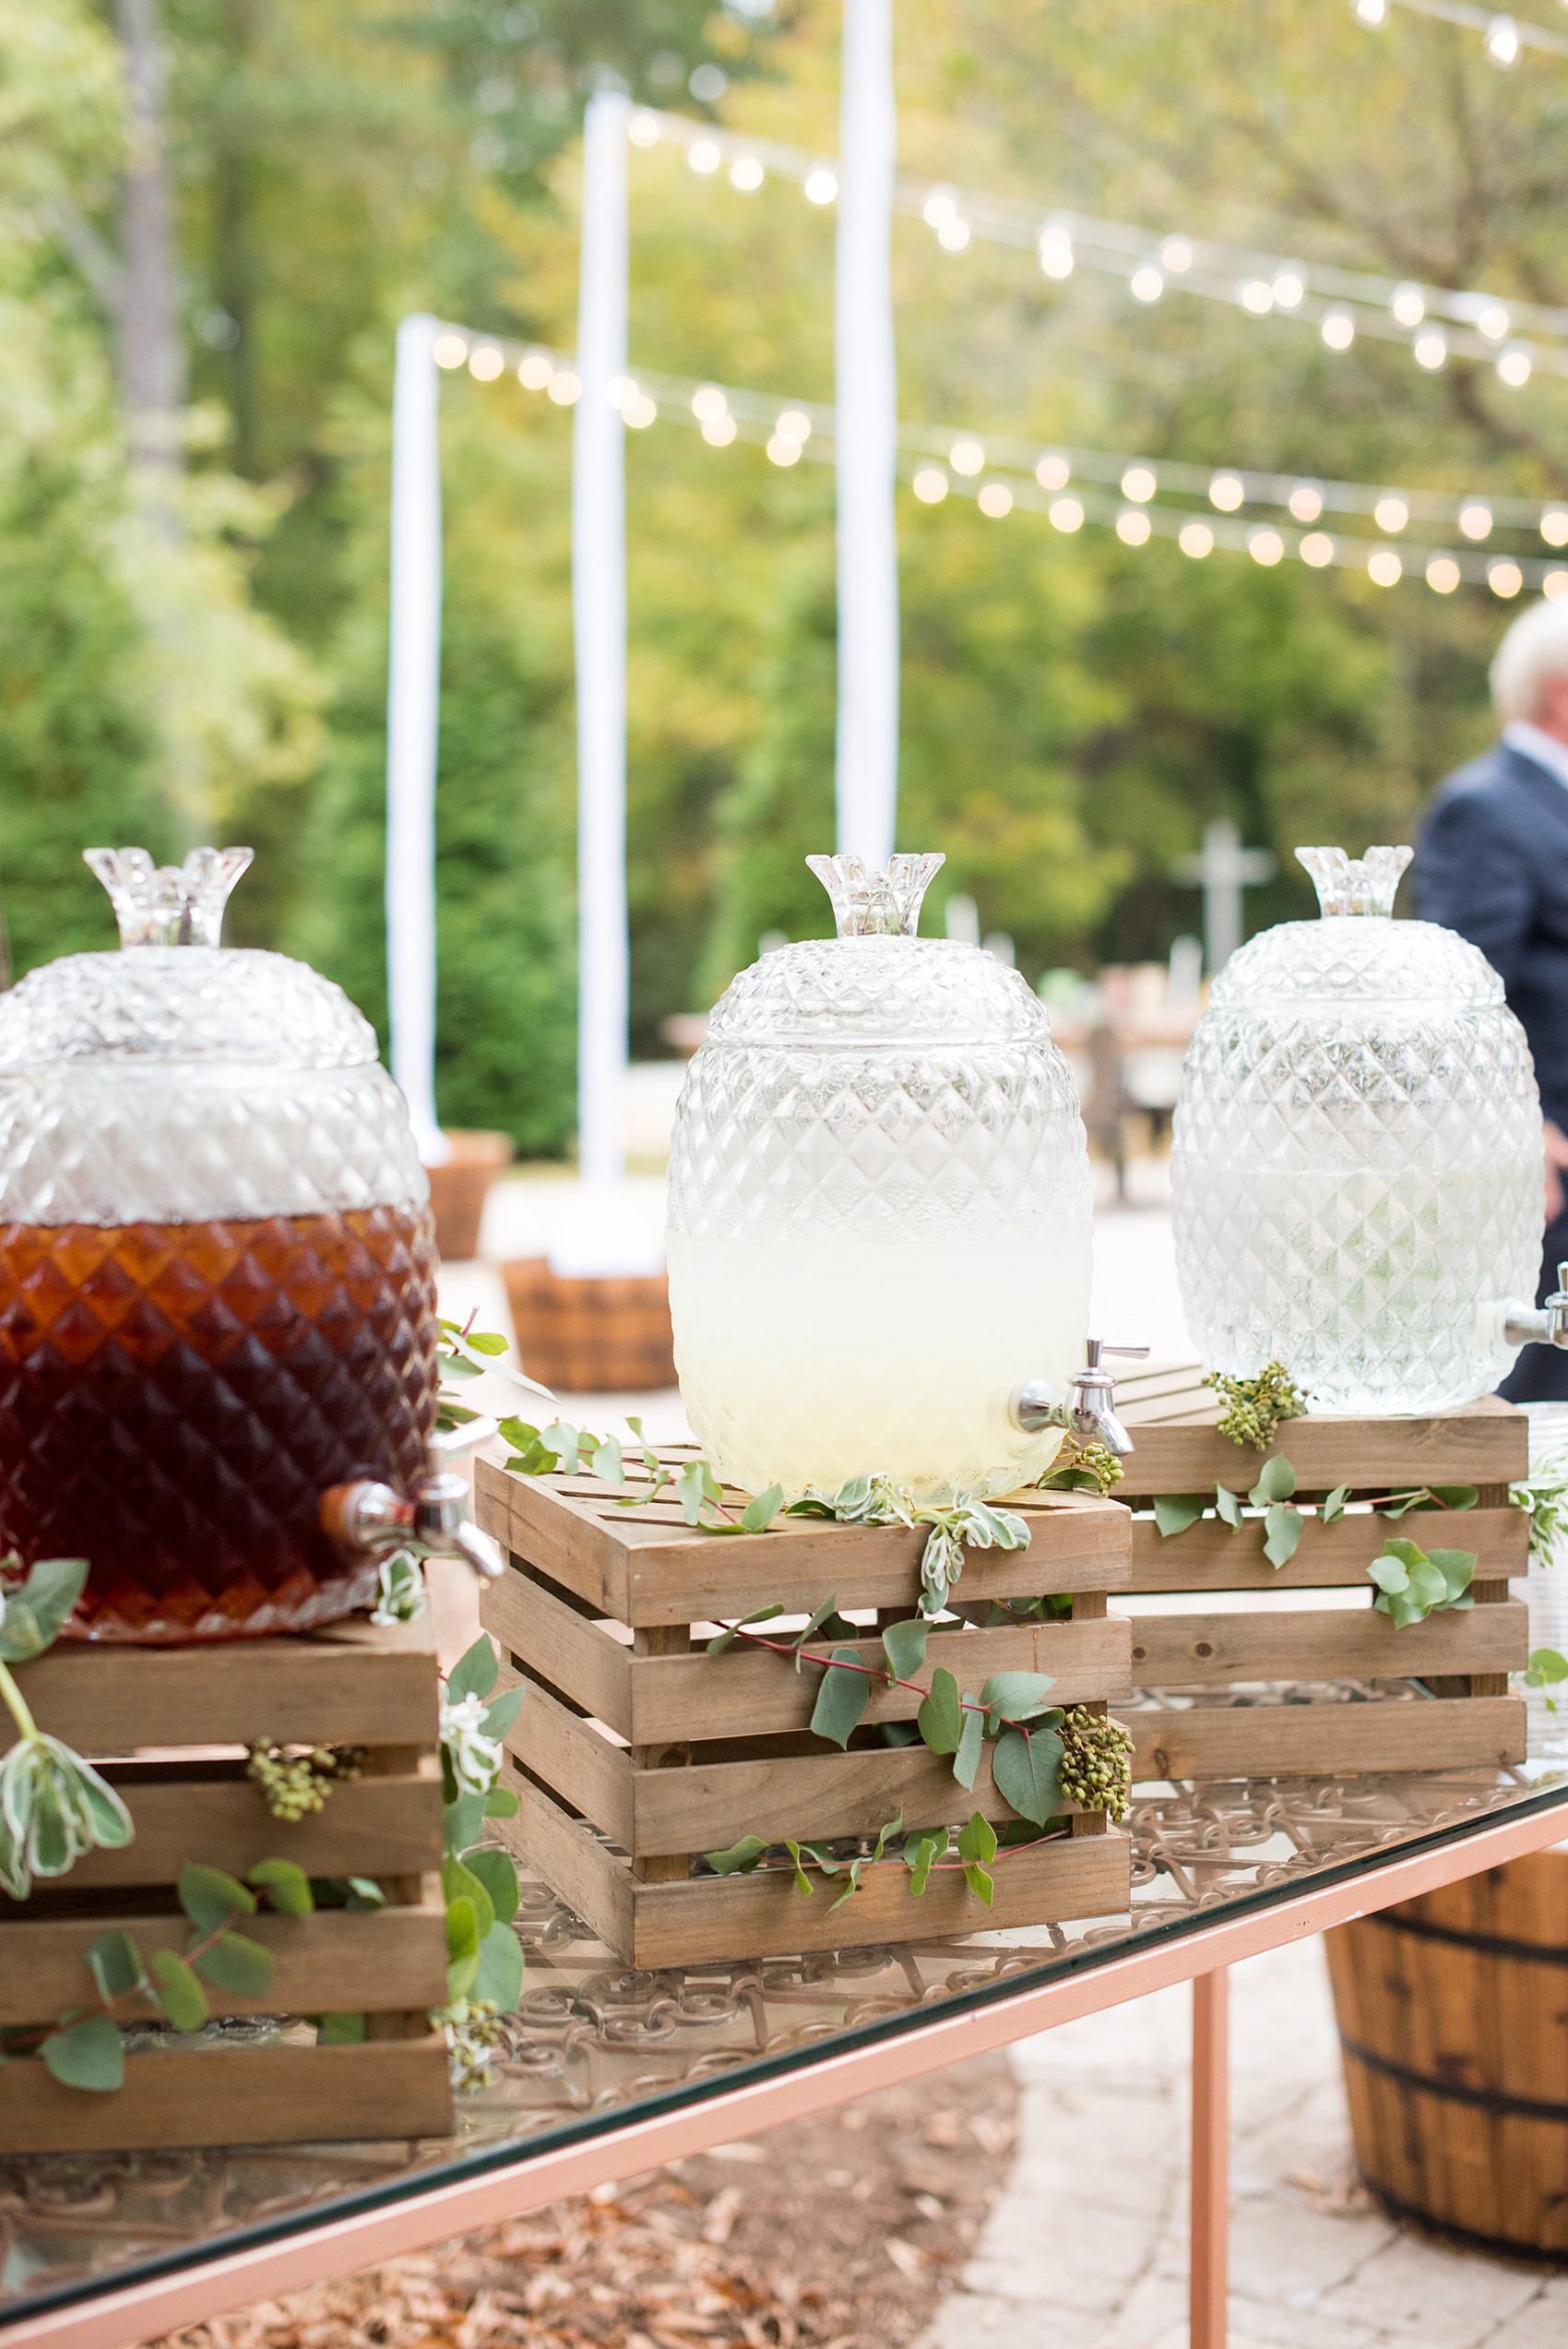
841,2232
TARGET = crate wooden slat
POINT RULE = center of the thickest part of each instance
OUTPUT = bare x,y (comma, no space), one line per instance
350,1683
1461,1658
631,1732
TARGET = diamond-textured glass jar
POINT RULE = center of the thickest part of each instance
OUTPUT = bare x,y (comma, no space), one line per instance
217,1272
1358,1162
879,1209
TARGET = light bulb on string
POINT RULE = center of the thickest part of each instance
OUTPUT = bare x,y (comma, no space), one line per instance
795,424
705,155
1385,567
1337,329
995,499
1140,481
819,186
1408,304
535,369
1513,368
967,456
1475,519
1289,288
564,387
1504,579
1371,12
746,173
719,431
1265,546
486,362
1493,321
929,484
1554,526
709,403
1065,514
954,233
640,412
1227,490
1501,41
939,206
1555,585
643,129
620,389
782,451
1257,295
1176,255
1147,283
1195,539
1391,513
1133,526
1053,472
449,350
1429,349
1306,502
1316,549
1443,574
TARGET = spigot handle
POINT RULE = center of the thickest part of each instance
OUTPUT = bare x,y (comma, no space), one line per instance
1095,1347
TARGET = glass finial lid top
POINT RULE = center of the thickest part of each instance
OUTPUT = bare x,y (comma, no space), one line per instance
871,901
169,904
1356,884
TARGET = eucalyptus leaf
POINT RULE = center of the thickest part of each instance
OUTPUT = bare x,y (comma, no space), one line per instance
462,1930
236,1963
209,1896
34,1615
285,1885
180,1993
565,1443
501,1803
977,1841
475,1672
1229,1504
727,1638
691,1491
1282,1534
498,1875
606,1464
904,1645
1025,1767
500,1976
1546,1668
842,1698
1332,1506
818,1616
980,1883
940,1720
117,1966
802,1882
966,1761
1173,1512
1277,1482
1016,1696
503,1710
1455,1496
458,1882
340,2030
920,1851
1390,1574
463,1821
761,1509
88,2054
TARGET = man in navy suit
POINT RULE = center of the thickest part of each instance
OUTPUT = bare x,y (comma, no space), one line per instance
1493,865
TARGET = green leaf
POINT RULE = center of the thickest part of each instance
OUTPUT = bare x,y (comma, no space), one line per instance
1277,1482
904,1645
460,1883
606,1463
462,1930
691,1490
739,1859
761,1509
884,1834
1173,1512
898,1732
1024,1769
34,1615
802,1882
179,1993
566,1444
1282,1534
235,1962
462,1822
940,1720
850,1888
286,1886
1332,1506
500,1974
1546,1668
980,1883
1457,1569
116,1965
503,1710
475,1673
340,2030
1015,1695
498,1875
825,1610
210,1897
364,1892
978,1840
1390,1574
485,1341
726,1639
822,1855
966,1761
842,1698
1457,1496
1229,1504
920,1853
501,1803
88,2055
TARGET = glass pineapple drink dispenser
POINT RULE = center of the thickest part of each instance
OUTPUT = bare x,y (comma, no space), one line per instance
1357,1161
217,1272
879,1210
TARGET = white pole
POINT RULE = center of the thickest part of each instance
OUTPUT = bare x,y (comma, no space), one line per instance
413,698
598,623
867,761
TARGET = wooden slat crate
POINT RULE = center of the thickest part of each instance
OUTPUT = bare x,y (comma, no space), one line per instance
632,1733
1460,1714
353,1683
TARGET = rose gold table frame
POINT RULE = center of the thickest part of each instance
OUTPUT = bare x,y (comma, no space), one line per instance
114,2318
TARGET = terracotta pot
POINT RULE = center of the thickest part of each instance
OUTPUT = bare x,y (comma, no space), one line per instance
458,1190
591,1335
1451,2020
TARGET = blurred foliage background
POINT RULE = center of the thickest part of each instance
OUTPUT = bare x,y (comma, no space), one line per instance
193,626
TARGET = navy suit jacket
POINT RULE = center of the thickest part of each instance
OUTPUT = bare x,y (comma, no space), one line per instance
1494,865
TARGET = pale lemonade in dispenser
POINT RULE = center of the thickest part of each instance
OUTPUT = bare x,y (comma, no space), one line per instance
879,1209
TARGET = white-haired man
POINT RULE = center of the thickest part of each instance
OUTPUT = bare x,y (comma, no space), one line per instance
1494,865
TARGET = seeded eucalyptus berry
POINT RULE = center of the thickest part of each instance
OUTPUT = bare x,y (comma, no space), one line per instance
1254,1408
1096,1762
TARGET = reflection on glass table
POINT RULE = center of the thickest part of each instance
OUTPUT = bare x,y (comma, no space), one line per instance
598,2054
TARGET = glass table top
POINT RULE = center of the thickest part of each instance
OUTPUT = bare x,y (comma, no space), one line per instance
595,2045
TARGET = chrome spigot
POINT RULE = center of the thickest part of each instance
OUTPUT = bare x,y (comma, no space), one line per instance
432,1520
1088,1407
1542,1325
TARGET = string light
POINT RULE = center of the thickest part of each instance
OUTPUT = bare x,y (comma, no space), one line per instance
787,432
1341,304
1371,12
747,175
705,155
1504,37
451,350
485,363
1502,43
1430,349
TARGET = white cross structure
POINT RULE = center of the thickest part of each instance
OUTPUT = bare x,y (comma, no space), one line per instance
1222,869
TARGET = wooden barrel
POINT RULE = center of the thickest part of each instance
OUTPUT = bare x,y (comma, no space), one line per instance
1452,2015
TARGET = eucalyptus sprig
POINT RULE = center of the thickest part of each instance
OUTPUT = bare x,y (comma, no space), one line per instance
1256,1408
1544,1669
54,1806
1283,1519
1413,1583
462,1354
